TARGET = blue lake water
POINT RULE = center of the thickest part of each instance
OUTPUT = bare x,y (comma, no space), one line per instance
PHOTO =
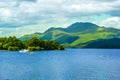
70,64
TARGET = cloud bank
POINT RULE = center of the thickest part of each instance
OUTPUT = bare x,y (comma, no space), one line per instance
112,22
19,13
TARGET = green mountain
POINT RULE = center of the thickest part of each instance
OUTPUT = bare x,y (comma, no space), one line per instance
76,35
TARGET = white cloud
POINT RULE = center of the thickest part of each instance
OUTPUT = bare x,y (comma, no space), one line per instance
5,14
26,12
113,22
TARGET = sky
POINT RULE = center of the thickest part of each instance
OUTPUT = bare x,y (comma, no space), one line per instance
20,17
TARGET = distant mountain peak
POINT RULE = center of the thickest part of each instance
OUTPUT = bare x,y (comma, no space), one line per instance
81,26
76,27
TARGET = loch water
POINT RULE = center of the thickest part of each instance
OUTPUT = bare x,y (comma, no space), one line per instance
69,64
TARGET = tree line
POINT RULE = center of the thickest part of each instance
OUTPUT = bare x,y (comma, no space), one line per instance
13,43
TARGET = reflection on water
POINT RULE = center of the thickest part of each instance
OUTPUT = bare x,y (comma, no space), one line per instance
71,64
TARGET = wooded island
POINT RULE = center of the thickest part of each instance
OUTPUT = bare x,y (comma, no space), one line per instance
14,44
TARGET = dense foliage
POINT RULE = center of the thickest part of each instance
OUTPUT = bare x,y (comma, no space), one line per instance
13,43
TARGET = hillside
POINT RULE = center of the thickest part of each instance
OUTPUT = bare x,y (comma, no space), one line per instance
104,43
77,34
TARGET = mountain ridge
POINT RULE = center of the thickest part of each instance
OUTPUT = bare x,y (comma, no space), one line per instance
77,34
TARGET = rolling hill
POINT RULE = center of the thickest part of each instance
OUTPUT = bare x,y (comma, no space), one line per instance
76,35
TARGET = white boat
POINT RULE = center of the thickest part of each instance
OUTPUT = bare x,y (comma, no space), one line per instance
24,51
